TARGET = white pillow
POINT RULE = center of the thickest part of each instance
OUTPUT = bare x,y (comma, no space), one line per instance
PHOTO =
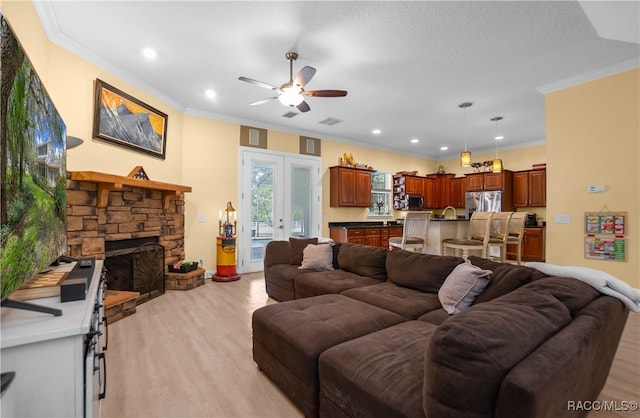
317,257
461,287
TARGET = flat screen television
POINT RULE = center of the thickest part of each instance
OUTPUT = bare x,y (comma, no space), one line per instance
33,169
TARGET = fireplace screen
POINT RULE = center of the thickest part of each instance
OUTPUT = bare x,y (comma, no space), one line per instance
137,269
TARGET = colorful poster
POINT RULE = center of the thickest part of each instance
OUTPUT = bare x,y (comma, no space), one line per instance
609,223
604,248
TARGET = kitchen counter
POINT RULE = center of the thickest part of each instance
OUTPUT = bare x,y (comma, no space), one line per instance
439,229
365,224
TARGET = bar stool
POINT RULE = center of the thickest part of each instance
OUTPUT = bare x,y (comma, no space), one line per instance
477,237
498,234
516,232
414,232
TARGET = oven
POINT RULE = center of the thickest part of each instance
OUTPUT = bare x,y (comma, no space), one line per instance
95,347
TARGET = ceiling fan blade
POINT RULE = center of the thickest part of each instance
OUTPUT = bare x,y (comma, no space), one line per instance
263,101
305,75
303,106
325,93
258,83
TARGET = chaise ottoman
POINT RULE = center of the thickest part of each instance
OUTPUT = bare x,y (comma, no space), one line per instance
289,337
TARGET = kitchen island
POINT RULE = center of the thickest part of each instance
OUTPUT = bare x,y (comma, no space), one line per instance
441,229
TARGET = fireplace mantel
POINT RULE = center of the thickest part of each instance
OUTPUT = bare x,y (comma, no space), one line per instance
107,182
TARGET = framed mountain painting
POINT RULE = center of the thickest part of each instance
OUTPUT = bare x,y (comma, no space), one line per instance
124,120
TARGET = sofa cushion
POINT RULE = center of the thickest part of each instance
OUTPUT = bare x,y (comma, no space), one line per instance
330,281
462,286
376,375
418,271
317,257
436,317
364,260
573,293
404,301
280,279
489,339
505,277
296,248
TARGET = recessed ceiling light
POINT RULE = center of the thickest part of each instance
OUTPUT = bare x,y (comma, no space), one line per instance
415,141
499,137
376,131
444,148
210,94
150,53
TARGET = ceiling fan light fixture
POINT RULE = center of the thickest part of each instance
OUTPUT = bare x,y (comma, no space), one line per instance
291,96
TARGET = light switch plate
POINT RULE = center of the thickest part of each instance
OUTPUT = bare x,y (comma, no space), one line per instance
562,219
202,218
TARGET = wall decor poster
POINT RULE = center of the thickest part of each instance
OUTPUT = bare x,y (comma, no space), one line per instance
605,248
124,120
605,235
610,223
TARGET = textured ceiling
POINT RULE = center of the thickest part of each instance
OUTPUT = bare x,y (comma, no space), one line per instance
406,65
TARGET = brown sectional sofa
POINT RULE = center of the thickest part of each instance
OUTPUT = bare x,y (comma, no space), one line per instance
370,338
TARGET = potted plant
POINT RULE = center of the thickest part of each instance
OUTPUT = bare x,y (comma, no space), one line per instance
183,266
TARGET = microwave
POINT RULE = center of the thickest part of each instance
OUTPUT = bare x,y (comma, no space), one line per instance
416,202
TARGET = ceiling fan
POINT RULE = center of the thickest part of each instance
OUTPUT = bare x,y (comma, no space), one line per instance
292,92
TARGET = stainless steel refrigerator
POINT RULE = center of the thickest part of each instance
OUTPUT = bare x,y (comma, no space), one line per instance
489,201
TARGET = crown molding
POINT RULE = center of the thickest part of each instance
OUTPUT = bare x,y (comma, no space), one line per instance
590,76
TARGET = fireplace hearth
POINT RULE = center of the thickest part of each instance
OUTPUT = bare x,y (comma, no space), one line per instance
136,265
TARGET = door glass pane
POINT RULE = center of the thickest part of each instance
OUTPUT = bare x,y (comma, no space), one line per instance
300,201
262,206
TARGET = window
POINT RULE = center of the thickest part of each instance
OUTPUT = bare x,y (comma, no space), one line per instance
381,195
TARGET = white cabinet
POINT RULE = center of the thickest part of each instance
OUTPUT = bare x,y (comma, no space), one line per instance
53,364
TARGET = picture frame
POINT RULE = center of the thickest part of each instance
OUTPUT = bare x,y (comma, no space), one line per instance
122,119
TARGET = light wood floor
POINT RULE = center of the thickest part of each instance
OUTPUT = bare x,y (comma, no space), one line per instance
188,354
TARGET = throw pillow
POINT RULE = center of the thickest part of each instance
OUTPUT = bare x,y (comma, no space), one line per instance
461,287
317,257
296,246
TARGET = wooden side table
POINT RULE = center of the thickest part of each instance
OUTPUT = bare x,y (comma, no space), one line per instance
184,281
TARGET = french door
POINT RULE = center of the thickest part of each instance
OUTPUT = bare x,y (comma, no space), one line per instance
280,198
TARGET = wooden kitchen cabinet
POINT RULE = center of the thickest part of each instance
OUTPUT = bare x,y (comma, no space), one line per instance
533,245
429,192
530,188
349,187
489,181
395,231
475,182
355,236
413,185
457,192
441,190
372,237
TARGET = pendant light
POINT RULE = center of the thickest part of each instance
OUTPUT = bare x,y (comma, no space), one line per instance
465,156
497,162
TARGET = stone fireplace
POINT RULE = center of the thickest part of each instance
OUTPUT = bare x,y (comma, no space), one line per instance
135,265
103,209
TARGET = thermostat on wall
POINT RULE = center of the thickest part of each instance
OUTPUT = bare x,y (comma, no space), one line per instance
595,188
